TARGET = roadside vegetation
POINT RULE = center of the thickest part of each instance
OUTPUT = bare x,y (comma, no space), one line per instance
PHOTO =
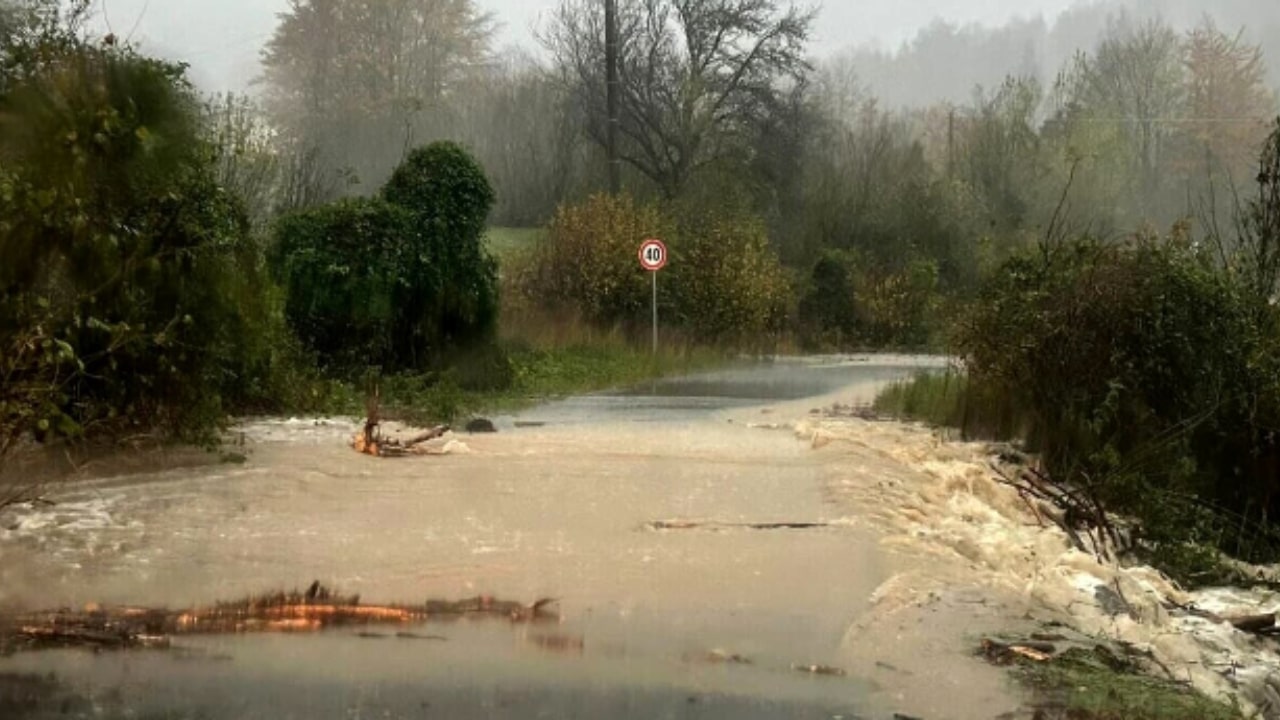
1096,685
441,228
1145,372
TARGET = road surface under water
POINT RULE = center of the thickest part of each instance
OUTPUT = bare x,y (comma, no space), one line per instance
556,504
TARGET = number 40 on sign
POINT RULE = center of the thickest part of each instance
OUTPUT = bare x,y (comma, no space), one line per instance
653,255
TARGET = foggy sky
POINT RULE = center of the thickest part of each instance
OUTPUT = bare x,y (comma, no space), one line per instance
221,38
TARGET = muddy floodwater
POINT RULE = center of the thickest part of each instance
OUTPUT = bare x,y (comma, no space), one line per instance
559,503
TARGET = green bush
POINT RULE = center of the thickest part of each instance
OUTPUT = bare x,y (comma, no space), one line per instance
121,260
729,288
1147,374
401,282
723,284
346,267
586,264
829,307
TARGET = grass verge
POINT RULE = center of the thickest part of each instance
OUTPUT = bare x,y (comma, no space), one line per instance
936,398
1091,685
536,375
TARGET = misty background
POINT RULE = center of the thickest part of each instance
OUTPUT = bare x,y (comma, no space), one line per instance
907,53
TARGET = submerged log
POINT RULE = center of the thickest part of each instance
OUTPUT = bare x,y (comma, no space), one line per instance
314,610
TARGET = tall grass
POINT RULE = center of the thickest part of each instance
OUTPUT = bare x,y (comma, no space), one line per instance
948,399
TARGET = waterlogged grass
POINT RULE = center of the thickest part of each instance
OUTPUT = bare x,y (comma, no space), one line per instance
930,397
1083,685
949,400
537,374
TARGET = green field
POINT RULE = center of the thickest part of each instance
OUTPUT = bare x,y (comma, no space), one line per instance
506,241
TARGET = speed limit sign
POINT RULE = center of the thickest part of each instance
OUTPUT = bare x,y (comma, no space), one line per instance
653,255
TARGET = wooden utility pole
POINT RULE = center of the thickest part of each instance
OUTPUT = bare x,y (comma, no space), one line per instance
613,89
951,143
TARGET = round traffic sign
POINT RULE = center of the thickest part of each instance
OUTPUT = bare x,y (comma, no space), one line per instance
653,255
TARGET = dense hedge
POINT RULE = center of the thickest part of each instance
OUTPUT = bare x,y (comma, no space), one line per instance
122,263
1148,374
398,282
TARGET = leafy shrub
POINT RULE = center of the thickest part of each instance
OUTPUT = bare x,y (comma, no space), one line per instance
852,302
449,197
401,281
1147,374
729,287
587,262
120,257
828,309
723,285
347,267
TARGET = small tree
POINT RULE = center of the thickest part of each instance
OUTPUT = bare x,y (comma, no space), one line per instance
399,281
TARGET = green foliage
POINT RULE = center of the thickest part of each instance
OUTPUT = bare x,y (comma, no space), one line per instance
829,308
347,267
445,190
723,285
726,283
587,262
931,397
850,303
398,282
1092,685
121,259
1147,375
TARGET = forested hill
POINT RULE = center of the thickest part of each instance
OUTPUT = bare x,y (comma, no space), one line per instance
946,62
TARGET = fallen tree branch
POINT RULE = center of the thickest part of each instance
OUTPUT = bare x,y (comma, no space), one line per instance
311,611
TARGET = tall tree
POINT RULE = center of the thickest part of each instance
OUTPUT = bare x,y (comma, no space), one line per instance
1228,103
1134,81
360,82
698,77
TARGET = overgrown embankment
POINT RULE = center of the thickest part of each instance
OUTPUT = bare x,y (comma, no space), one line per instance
1144,374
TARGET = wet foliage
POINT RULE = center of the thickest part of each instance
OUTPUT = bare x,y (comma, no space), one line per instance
1144,373
127,276
396,282
725,284
1084,684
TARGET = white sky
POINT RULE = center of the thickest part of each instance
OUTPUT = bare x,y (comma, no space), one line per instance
221,38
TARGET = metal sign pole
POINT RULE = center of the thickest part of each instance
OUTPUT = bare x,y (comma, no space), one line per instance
655,313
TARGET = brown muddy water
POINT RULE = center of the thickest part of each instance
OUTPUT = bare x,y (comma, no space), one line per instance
554,505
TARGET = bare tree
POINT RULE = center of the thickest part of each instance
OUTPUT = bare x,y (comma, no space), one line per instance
697,76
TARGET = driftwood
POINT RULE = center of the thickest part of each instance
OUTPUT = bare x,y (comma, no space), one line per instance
820,670
1000,653
712,525
1078,512
371,441
311,611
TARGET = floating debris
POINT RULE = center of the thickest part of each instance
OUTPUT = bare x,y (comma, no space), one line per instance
999,653
318,608
719,657
827,670
715,525
559,644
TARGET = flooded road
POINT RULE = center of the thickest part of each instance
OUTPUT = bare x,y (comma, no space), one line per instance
557,504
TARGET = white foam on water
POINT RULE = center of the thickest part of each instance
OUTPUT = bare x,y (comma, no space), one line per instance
942,501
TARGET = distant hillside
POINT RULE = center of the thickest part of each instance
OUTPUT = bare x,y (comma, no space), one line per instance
945,62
